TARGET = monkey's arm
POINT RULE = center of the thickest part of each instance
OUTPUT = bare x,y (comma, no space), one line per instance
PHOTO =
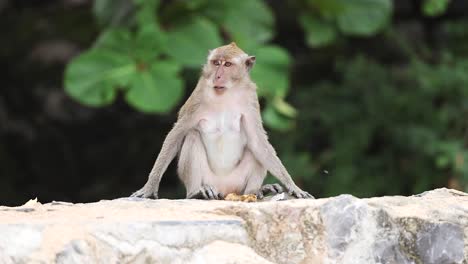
257,142
169,150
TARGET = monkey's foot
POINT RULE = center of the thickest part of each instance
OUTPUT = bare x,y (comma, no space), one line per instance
269,189
145,193
206,192
298,193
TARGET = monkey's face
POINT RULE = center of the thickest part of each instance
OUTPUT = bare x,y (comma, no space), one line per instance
226,67
226,72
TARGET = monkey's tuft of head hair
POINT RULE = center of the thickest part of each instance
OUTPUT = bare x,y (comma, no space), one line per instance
227,52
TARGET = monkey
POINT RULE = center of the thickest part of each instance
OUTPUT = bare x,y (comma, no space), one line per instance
219,137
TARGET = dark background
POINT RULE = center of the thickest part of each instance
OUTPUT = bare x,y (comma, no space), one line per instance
367,114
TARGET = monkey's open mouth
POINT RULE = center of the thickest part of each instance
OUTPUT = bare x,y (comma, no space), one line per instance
219,88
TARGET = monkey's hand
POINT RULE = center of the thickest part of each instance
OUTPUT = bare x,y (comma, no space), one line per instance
145,192
207,192
269,189
297,192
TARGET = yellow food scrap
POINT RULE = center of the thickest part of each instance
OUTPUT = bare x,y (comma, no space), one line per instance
248,198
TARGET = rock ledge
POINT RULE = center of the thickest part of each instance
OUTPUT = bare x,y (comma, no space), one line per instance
428,228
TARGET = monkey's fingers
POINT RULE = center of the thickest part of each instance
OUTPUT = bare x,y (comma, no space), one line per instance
197,195
136,194
216,194
278,188
307,195
300,194
259,194
210,193
266,189
144,193
271,189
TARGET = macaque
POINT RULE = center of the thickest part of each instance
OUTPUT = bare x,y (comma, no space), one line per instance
219,137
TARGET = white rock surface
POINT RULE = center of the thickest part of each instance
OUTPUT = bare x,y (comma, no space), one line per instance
427,228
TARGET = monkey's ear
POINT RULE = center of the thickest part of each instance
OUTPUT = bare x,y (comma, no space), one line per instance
249,62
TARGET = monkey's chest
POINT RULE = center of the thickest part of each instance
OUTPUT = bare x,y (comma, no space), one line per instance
224,140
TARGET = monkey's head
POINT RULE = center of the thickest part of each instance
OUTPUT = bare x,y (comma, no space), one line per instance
226,67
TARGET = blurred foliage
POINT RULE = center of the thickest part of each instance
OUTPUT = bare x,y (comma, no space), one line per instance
390,129
434,7
374,108
144,46
323,19
140,38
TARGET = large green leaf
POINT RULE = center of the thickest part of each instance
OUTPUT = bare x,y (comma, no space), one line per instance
215,10
271,72
156,89
146,13
275,120
115,39
364,17
191,40
92,77
318,31
284,108
250,23
150,42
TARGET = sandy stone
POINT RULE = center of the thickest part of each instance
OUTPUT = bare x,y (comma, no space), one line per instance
428,228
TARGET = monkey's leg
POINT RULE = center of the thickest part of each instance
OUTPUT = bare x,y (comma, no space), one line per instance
254,173
193,167
255,176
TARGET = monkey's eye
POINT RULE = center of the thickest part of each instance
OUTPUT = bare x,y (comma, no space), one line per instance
216,62
227,64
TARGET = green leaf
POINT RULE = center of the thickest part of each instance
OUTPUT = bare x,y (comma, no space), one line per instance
327,8
190,41
318,31
247,22
196,4
112,12
146,13
118,40
434,7
150,42
271,71
250,23
364,17
284,108
215,10
92,77
275,120
156,89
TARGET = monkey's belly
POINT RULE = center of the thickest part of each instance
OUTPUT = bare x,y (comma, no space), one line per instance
224,142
